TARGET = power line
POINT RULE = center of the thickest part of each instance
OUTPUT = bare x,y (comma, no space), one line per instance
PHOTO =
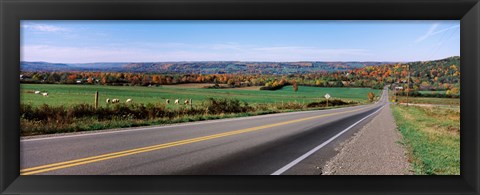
442,41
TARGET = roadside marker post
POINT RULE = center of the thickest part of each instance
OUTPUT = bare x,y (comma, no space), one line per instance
327,96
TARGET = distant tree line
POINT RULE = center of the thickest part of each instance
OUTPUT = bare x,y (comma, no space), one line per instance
424,76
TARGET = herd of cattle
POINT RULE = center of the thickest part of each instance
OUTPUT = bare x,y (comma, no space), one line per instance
44,93
177,101
114,101
167,101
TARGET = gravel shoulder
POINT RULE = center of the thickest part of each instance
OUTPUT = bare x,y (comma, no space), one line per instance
376,149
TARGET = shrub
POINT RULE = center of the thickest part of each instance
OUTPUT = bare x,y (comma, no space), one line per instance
289,105
333,102
272,88
57,119
219,106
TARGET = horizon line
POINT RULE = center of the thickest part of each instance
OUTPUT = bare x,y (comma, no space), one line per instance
242,61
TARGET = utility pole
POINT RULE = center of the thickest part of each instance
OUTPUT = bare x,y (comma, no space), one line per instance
394,92
408,85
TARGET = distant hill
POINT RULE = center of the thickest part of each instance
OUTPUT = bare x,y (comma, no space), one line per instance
438,71
432,68
245,67
99,65
440,74
206,67
43,66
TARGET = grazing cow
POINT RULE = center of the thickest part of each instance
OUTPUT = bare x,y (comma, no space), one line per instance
186,102
167,101
128,101
115,101
177,101
45,94
37,92
108,100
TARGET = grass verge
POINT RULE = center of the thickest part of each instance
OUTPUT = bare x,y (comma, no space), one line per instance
432,136
48,119
30,128
428,100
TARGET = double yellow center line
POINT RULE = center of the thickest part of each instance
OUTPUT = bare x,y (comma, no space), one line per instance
92,159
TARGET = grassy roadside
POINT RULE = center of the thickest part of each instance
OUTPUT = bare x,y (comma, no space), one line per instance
29,128
428,100
432,136
58,119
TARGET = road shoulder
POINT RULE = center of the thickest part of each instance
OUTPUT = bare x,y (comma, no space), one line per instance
375,149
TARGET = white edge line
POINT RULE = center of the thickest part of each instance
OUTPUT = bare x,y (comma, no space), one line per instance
296,161
179,124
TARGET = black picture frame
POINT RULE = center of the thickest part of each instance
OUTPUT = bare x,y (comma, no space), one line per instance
12,11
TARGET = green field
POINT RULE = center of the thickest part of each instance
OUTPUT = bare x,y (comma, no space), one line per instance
75,94
432,137
429,100
432,92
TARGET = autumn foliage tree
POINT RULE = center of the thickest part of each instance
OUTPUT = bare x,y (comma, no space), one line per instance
439,75
90,80
453,91
371,96
295,85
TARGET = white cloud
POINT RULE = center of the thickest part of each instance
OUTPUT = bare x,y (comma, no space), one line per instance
44,28
432,32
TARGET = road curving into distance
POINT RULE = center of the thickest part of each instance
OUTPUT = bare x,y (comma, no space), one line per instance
273,144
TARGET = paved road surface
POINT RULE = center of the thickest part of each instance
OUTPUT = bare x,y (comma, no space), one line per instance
260,145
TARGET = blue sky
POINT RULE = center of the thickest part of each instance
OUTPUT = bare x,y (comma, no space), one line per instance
155,41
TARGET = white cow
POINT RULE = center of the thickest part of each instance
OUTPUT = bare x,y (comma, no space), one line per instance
45,94
177,101
167,101
128,101
108,100
37,92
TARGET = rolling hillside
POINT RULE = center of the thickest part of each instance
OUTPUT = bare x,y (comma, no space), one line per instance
207,67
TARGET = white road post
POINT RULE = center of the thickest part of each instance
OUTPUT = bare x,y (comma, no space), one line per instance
327,96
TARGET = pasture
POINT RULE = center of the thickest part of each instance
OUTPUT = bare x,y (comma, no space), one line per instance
76,94
430,100
432,92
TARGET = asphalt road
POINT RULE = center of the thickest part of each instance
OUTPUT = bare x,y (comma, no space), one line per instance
260,145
